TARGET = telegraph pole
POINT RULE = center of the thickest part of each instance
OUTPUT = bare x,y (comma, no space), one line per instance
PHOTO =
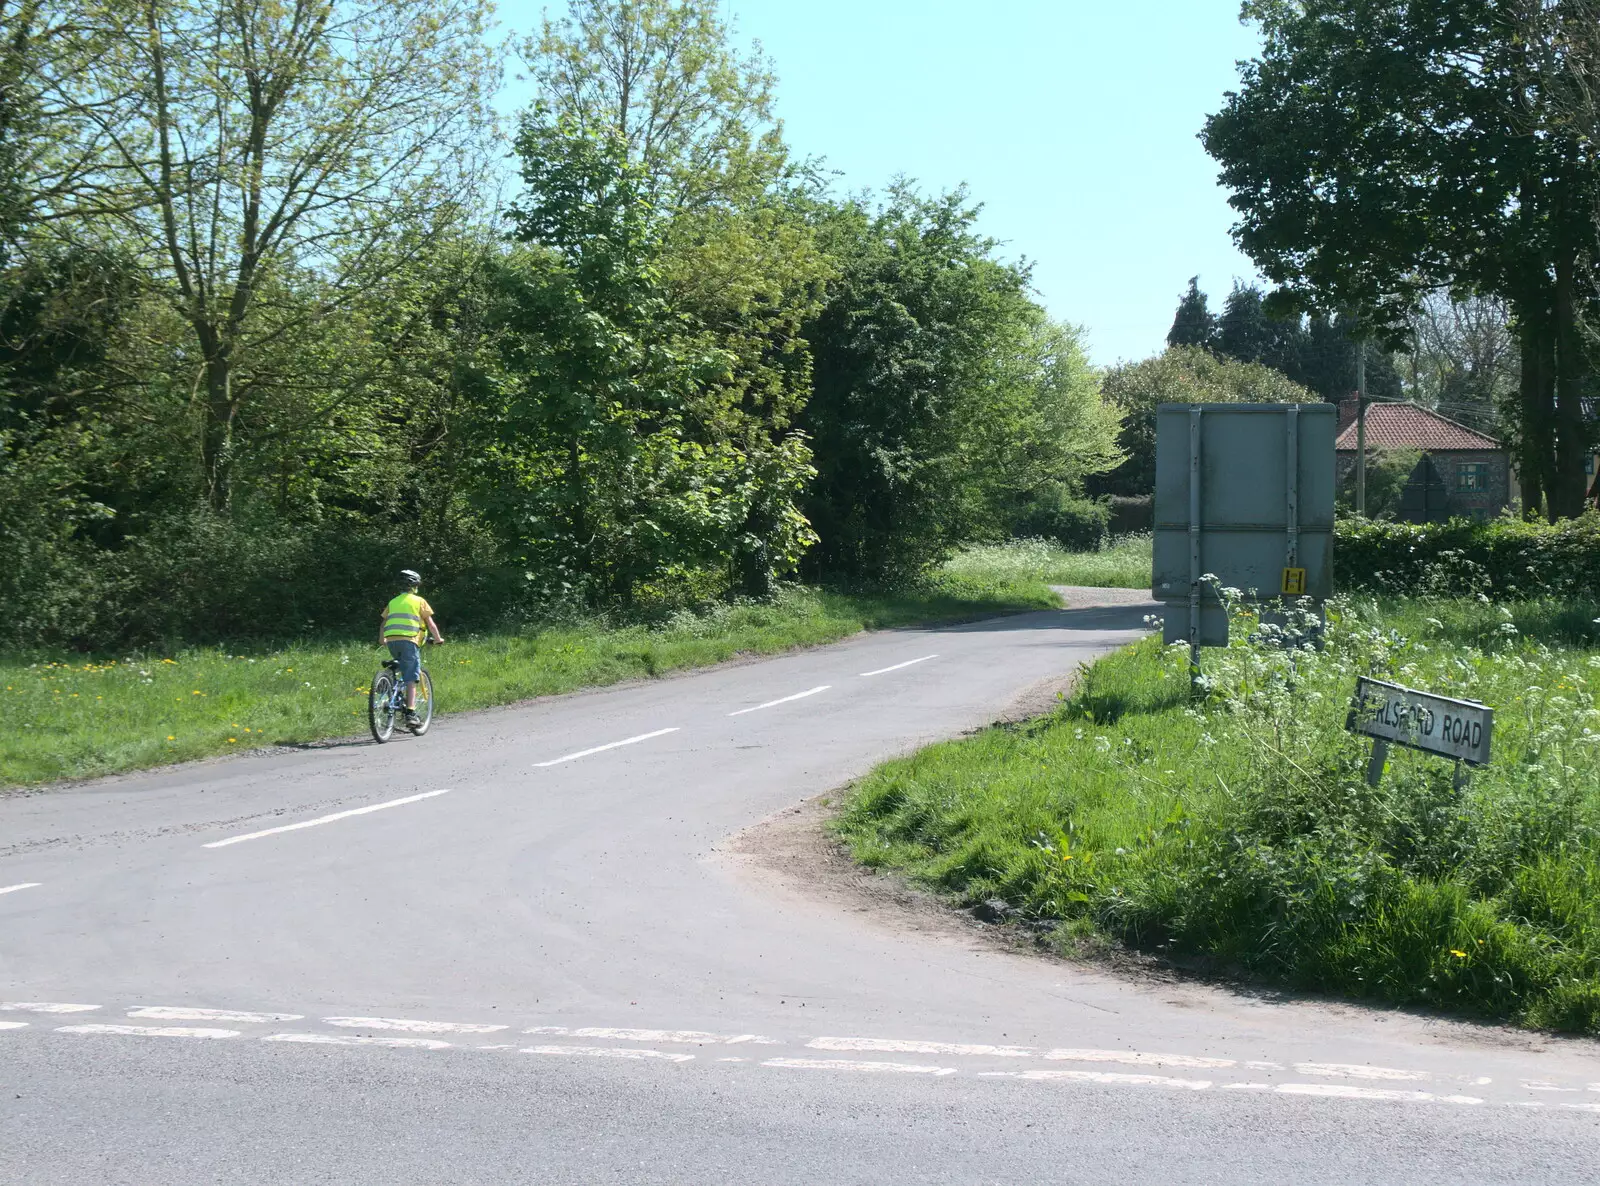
1361,427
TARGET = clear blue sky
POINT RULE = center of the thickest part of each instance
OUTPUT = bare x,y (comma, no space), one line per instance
1073,122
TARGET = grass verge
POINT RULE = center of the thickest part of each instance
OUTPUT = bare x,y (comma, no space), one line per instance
1123,564
69,716
1236,831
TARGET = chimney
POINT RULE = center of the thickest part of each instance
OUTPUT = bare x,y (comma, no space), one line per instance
1348,411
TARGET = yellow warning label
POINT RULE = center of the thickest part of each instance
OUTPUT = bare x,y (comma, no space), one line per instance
1294,582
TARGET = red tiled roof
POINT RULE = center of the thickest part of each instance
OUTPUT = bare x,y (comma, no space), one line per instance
1406,426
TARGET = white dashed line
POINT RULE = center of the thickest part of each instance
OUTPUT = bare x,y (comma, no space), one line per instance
1340,1070
14,1025
148,1031
1345,1091
671,1037
358,1040
840,1064
1138,1058
898,666
1582,1107
893,1046
600,749
11,889
785,700
413,1027
176,1013
1541,1085
608,1052
1110,1078
44,1007
326,819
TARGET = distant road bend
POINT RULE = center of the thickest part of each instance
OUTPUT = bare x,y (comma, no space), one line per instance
524,949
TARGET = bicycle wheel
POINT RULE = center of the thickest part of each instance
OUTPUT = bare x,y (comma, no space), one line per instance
424,704
380,707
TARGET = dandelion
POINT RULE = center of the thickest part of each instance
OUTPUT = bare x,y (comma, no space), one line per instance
231,740
170,737
1458,954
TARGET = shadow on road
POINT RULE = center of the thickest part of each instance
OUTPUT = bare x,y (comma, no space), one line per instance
1100,617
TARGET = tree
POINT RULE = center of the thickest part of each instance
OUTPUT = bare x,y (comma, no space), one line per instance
1194,324
694,115
1379,150
1463,359
942,397
250,144
1183,374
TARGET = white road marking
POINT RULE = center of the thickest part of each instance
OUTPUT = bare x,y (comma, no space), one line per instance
175,1013
44,1007
898,666
1542,1085
1138,1058
14,1025
1247,1087
608,1052
1583,1107
840,1064
326,819
600,749
11,889
359,1040
1346,1091
1108,1077
148,1031
413,1027
1340,1070
1261,1064
892,1046
785,700
688,1037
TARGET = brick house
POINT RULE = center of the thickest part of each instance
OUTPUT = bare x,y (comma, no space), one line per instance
1476,468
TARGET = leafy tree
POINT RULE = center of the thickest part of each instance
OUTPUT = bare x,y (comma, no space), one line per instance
263,143
1379,150
942,395
1194,325
1183,374
662,76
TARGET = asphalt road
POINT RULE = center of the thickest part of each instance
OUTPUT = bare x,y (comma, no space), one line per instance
533,947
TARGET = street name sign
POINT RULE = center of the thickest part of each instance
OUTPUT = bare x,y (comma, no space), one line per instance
1459,729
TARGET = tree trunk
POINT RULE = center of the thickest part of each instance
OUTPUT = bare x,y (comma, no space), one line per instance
216,436
1568,484
1536,444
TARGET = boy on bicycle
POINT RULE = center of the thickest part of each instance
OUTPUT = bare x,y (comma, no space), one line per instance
406,621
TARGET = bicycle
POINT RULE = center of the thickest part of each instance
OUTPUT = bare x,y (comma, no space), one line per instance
387,701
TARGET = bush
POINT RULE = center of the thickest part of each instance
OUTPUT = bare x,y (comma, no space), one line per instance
1077,524
1502,558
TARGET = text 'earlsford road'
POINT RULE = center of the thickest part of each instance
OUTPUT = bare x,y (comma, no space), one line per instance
1460,729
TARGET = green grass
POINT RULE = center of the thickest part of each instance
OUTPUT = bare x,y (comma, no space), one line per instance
67,716
1236,832
1125,564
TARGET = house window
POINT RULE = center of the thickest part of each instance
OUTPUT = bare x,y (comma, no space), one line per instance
1472,477
1588,465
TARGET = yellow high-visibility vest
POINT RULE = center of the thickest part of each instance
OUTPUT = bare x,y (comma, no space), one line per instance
402,620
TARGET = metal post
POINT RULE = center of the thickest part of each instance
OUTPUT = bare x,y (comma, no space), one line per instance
1361,427
1380,757
1194,541
1293,483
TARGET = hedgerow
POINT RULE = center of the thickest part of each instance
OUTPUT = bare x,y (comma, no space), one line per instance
1502,558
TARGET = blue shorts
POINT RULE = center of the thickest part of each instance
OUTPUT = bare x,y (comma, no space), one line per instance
410,656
